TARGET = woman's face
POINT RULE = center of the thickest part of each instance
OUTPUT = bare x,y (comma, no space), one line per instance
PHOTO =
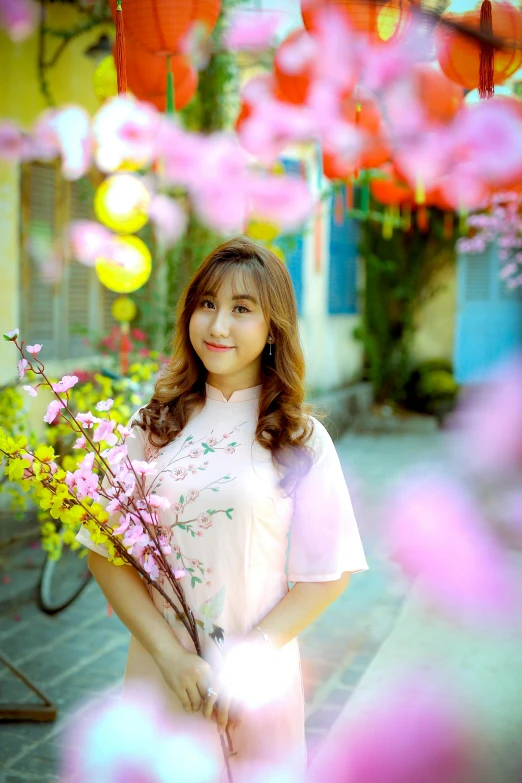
236,323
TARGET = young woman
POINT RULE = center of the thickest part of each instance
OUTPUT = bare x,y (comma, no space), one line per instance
258,500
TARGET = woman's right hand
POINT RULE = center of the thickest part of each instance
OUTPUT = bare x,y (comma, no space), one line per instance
187,675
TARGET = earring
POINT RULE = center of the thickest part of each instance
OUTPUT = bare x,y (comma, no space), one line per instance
270,341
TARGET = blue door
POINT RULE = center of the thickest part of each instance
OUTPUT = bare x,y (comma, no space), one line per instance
489,317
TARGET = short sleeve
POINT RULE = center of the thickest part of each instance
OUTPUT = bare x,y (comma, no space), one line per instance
324,539
135,450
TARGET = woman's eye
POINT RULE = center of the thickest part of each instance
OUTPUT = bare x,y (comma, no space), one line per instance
205,302
245,309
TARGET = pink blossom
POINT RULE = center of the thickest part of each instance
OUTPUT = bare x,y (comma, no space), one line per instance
424,737
125,130
22,365
65,132
252,31
179,473
169,219
12,335
53,409
195,563
480,130
424,513
176,549
105,432
337,59
181,154
125,521
30,390
211,441
89,241
487,424
205,521
165,545
229,450
66,383
34,349
87,419
19,18
158,501
151,566
143,468
13,143
197,45
105,405
125,432
179,573
80,443
192,494
286,201
177,508
195,453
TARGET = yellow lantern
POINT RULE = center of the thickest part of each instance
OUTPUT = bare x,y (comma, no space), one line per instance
262,230
123,309
128,269
105,81
121,203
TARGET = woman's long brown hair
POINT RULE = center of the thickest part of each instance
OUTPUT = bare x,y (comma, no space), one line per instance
283,426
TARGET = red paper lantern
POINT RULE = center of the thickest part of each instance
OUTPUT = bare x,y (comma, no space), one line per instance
391,190
147,76
293,85
473,64
363,112
159,25
382,20
440,97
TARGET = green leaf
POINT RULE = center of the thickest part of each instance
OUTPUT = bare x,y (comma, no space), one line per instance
191,570
192,533
214,489
178,556
211,511
182,527
227,512
182,498
234,443
194,580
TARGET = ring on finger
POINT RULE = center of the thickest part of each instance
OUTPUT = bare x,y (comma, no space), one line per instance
211,692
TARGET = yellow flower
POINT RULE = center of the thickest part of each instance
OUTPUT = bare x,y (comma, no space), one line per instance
15,468
44,453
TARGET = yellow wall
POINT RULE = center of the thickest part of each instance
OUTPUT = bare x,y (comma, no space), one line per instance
435,333
70,81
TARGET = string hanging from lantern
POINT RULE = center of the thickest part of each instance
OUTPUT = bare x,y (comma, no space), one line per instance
121,63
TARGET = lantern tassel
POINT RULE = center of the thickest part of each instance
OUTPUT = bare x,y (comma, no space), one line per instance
121,62
486,85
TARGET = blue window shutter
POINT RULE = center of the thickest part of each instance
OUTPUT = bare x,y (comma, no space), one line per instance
342,282
293,245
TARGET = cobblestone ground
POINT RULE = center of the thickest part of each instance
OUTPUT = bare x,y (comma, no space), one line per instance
82,651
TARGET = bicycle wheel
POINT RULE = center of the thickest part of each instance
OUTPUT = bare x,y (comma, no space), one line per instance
62,581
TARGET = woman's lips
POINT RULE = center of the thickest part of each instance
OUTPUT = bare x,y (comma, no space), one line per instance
219,348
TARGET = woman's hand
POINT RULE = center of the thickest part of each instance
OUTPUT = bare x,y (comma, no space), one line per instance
187,675
221,707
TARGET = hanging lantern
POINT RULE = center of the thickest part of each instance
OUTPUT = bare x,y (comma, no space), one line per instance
159,25
361,110
293,82
440,97
382,21
391,190
105,81
124,309
476,64
147,76
121,203
128,269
